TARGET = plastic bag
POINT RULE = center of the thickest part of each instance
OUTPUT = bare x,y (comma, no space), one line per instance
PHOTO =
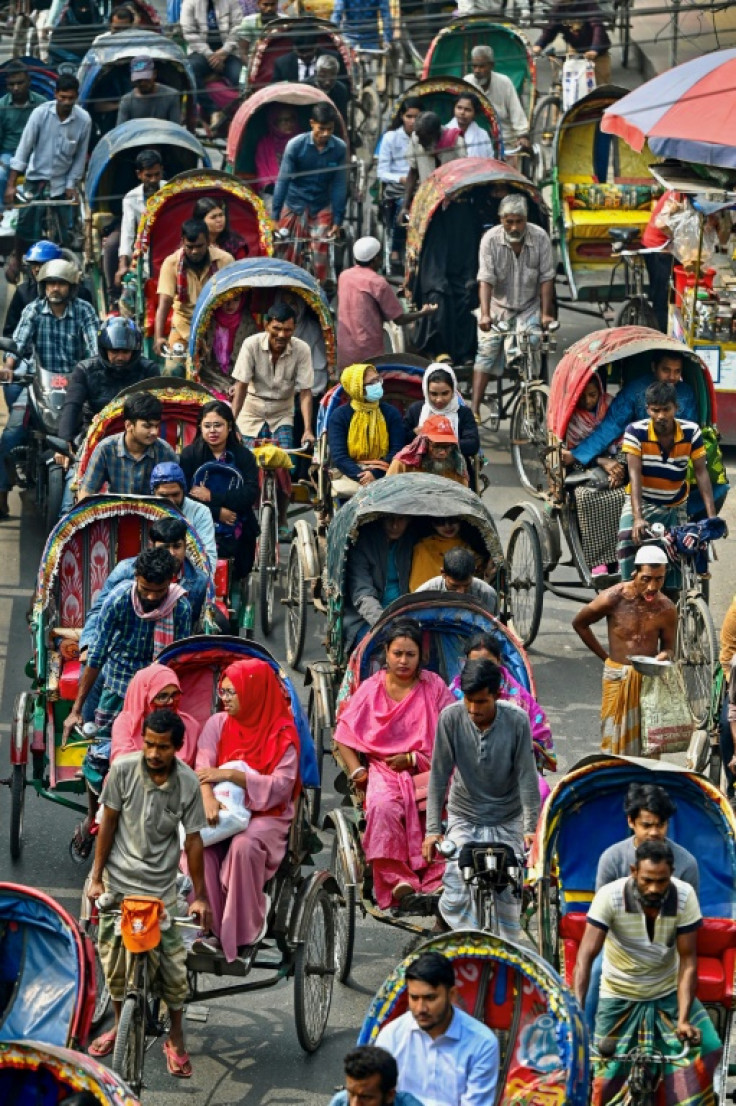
235,817
578,79
685,228
666,721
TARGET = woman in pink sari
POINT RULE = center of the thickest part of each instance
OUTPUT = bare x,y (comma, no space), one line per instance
256,727
390,723
231,323
153,688
283,124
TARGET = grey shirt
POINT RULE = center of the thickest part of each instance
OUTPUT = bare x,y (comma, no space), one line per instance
479,589
516,281
144,858
495,777
164,103
616,862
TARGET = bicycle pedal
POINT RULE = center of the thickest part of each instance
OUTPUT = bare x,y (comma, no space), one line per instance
197,1012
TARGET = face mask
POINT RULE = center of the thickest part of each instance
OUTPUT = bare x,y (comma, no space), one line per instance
374,392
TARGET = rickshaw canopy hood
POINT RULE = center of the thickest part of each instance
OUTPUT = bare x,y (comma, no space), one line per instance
113,49
277,39
180,151
72,1073
284,92
450,50
634,344
444,91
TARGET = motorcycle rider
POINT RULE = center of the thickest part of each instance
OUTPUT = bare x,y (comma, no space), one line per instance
36,256
59,330
97,380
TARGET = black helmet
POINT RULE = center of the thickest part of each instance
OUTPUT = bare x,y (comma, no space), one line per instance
118,333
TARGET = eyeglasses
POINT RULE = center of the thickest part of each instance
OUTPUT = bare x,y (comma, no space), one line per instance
167,697
228,693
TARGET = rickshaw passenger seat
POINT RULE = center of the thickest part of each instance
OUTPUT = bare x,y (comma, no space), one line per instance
69,680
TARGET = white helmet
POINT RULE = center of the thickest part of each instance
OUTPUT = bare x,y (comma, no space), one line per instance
59,270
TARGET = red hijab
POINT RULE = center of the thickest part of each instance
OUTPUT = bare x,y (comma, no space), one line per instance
263,728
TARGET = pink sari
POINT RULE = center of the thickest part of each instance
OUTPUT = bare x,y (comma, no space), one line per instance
375,725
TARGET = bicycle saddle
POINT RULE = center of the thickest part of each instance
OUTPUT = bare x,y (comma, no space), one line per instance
623,234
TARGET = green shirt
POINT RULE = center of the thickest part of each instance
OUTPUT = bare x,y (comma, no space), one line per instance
13,120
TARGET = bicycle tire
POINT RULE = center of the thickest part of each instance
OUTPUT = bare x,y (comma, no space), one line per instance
17,807
297,600
54,496
525,577
529,438
344,916
697,654
637,311
544,124
266,568
314,971
130,1043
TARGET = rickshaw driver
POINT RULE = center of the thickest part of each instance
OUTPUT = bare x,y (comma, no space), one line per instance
118,246
147,795
647,925
516,279
640,620
499,90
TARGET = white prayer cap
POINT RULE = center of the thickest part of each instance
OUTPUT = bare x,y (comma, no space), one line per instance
650,555
365,249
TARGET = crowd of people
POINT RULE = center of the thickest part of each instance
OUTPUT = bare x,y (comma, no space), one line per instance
429,762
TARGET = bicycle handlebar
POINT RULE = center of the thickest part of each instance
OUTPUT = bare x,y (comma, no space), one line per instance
638,1055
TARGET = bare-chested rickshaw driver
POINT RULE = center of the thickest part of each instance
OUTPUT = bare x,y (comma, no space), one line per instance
641,620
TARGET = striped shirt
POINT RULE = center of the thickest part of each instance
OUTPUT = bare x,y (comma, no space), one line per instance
635,967
663,473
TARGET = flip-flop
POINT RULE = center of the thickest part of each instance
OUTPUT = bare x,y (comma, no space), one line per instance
178,1063
82,841
103,1045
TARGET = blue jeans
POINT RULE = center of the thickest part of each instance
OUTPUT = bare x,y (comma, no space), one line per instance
15,432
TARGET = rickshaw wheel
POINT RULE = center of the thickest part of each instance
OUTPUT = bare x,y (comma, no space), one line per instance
130,1042
54,495
529,438
266,568
637,312
544,125
344,915
697,654
297,599
314,970
17,806
525,580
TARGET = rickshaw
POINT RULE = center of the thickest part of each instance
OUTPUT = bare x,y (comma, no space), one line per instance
450,50
448,622
48,975
301,921
264,279
586,807
79,554
598,184
576,504
449,214
49,1076
104,75
439,94
159,233
111,174
537,1021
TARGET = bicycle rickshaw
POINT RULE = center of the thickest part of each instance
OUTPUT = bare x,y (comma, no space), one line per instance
301,922
449,214
111,174
584,816
104,75
56,1075
439,94
537,1021
159,233
598,183
450,51
579,506
448,622
79,554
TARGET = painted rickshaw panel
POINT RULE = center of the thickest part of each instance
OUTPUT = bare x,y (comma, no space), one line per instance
625,352
69,1072
510,989
449,52
263,275
277,41
249,123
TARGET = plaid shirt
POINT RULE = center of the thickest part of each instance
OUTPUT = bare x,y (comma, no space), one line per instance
123,642
59,343
124,474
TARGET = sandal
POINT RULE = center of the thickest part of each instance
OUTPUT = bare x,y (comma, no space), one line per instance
178,1063
103,1045
83,842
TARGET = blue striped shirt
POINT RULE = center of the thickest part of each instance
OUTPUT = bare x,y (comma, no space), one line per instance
663,475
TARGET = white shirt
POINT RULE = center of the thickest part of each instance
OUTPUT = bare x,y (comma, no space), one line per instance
459,1068
477,141
393,161
506,104
134,204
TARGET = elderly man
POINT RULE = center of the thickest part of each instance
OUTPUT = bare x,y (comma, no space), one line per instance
641,620
500,90
149,99
435,450
516,278
182,277
483,753
327,78
458,576
646,924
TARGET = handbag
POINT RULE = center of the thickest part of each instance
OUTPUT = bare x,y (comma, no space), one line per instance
666,720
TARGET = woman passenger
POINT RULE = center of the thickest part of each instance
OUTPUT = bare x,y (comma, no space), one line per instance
441,397
364,434
231,324
392,171
385,735
153,688
590,410
282,123
429,552
214,213
257,727
236,527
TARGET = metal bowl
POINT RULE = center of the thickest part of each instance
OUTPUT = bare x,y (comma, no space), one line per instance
648,666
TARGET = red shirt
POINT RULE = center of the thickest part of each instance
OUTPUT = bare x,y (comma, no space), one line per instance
654,236
366,300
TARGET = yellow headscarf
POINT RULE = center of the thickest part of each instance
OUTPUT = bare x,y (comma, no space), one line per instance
368,433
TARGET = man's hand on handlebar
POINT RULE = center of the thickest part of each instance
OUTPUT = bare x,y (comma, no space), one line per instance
548,321
428,846
9,197
159,345
200,909
485,323
95,889
687,1032
62,460
639,531
73,718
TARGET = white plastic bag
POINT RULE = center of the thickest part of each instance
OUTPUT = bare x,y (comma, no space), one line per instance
578,79
686,245
235,817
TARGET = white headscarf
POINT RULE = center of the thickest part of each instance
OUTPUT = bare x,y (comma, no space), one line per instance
449,412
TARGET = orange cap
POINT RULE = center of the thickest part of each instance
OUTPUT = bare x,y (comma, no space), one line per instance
438,428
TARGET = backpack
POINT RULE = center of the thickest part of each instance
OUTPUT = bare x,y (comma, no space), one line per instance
220,477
